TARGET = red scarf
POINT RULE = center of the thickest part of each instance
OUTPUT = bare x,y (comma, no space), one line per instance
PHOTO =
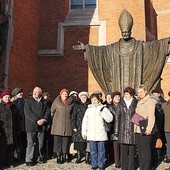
64,101
9,104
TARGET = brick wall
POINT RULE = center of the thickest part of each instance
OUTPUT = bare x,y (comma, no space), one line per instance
68,71
23,58
162,9
36,26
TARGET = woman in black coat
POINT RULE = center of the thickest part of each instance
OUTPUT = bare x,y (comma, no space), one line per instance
115,109
9,128
76,121
126,131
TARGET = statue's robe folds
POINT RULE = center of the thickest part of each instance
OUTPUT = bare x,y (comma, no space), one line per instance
114,70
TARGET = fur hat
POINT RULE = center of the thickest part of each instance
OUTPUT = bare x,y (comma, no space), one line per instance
16,91
83,93
73,92
5,92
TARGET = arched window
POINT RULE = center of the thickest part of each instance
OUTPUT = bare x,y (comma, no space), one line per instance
81,4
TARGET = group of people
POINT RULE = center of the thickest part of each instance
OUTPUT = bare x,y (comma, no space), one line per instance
42,128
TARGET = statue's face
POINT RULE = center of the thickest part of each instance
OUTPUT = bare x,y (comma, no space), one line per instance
126,35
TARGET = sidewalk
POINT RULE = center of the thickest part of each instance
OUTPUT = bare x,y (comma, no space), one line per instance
52,165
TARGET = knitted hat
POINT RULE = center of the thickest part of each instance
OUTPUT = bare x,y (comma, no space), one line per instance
16,91
83,93
5,92
63,90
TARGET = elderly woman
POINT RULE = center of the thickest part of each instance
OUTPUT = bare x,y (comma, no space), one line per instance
93,130
76,120
9,121
115,109
61,125
126,131
145,108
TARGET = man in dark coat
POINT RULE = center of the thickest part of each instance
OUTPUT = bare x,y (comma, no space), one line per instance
18,101
37,113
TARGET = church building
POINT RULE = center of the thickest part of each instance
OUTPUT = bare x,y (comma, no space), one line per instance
37,39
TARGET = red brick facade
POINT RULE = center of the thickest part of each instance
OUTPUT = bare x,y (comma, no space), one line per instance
36,26
23,53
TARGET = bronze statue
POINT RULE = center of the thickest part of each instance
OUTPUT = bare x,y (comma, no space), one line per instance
128,62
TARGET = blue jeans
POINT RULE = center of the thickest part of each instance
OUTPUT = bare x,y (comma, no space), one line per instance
97,153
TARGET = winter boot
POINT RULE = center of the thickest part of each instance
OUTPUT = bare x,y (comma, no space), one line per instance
78,157
58,158
87,158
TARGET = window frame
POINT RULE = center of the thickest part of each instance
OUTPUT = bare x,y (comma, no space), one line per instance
84,6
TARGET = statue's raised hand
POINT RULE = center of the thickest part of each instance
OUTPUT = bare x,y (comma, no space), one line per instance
80,47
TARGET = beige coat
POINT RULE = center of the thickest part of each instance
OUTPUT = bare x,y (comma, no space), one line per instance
146,108
61,123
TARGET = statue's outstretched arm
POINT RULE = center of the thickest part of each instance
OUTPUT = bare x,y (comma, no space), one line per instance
80,47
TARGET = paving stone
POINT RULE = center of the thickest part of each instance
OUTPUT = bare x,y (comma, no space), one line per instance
52,165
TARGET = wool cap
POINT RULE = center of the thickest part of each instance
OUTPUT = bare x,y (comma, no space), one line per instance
5,92
156,91
63,90
115,93
83,93
45,94
98,92
108,93
16,91
73,92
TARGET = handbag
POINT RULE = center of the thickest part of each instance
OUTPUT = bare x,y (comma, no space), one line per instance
143,125
107,125
158,144
136,118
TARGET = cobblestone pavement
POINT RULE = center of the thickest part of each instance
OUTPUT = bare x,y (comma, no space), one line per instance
52,165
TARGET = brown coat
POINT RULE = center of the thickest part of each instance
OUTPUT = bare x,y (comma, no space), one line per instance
61,123
166,109
146,108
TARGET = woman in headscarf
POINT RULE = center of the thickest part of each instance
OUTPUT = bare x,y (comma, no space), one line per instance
76,119
9,121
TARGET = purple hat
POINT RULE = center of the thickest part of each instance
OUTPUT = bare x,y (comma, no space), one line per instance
5,92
